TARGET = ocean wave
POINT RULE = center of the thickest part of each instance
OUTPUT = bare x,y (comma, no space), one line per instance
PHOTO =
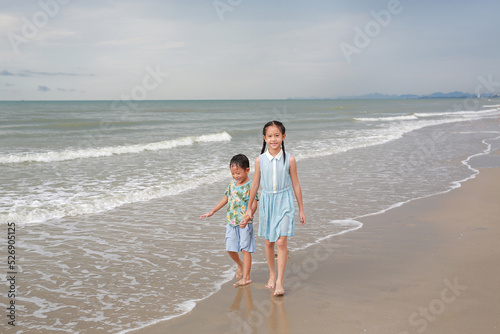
472,113
372,137
113,150
388,118
417,116
41,211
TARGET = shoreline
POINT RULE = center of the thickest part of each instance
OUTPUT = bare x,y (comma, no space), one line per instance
454,185
385,263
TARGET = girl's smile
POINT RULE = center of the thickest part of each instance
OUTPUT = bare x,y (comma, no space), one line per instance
274,138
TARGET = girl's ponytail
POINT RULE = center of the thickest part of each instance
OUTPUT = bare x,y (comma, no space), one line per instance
263,147
284,154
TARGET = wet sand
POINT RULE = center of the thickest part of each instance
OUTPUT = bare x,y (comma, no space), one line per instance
429,266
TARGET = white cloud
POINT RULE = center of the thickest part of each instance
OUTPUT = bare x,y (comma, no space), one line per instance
8,23
261,50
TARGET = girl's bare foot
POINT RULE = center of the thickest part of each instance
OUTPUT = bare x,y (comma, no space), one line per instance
243,281
279,290
272,282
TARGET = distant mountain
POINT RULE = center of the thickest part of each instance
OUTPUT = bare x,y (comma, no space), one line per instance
452,95
438,95
375,96
379,96
409,96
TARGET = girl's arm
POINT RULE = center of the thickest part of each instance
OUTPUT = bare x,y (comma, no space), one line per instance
245,221
254,206
297,189
252,203
222,202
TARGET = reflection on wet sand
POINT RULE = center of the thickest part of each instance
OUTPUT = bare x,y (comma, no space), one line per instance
251,317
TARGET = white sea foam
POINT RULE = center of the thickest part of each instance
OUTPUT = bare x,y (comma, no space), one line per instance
105,202
144,246
466,113
372,137
113,150
187,305
454,184
345,226
387,119
416,116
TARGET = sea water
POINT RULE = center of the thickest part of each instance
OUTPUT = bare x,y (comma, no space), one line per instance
106,198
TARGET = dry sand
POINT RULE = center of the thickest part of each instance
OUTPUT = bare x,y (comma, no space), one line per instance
429,266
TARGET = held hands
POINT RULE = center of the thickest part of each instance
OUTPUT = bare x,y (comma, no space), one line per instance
246,218
243,223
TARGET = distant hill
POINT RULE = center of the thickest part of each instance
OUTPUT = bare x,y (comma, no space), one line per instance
379,96
438,95
452,95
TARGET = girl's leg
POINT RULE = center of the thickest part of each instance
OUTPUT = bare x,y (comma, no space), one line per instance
236,258
270,263
282,257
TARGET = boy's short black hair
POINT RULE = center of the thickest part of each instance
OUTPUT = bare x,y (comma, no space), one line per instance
240,160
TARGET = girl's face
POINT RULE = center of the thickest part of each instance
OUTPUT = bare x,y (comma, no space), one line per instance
274,138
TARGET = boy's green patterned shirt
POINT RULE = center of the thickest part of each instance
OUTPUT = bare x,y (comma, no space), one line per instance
237,204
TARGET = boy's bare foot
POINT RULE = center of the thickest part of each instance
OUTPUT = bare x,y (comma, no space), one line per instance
272,282
239,273
242,282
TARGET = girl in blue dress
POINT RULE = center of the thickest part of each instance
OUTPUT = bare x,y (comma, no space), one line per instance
276,172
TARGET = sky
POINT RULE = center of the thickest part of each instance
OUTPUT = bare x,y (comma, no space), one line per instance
245,49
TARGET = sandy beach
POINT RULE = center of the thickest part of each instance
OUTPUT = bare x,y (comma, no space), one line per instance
429,266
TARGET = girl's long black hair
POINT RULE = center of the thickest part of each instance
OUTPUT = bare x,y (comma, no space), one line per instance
282,130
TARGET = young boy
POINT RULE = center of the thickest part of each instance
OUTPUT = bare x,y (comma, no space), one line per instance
239,234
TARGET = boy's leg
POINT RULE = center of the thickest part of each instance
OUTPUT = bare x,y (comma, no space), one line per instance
282,244
247,264
270,263
247,244
232,248
236,258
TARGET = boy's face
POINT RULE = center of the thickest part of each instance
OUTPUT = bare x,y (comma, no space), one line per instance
239,174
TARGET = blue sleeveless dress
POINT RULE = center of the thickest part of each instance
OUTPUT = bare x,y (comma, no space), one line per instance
276,206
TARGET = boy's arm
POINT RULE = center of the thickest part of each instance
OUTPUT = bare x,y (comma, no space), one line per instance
222,202
297,189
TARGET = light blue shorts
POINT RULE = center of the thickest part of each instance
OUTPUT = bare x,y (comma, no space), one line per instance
238,238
